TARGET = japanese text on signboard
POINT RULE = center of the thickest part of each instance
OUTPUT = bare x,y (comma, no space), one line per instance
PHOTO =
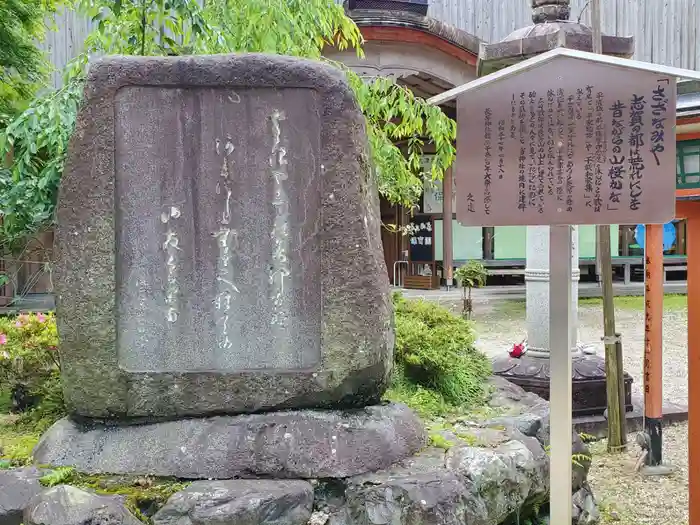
593,147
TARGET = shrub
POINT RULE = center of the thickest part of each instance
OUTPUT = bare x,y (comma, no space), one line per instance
435,358
29,363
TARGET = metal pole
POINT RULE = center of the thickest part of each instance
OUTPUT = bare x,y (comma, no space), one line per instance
560,323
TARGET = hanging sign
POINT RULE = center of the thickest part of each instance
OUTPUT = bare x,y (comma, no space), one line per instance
420,239
567,142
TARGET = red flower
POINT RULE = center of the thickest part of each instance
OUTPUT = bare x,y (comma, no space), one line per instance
518,350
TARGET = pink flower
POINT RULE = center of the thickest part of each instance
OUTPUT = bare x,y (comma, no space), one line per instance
40,317
18,324
3,339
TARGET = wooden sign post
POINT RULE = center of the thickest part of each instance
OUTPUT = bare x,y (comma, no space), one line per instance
566,138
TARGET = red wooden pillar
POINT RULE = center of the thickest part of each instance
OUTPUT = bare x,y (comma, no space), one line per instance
691,211
653,339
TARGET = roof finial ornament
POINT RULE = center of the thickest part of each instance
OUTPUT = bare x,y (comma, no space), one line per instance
544,11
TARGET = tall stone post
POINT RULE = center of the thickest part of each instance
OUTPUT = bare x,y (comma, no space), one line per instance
537,290
551,29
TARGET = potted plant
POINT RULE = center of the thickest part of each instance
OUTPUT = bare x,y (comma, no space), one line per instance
470,275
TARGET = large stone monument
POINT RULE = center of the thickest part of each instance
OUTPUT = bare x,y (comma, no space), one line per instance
219,255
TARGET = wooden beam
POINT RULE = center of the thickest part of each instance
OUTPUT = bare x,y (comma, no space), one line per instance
447,226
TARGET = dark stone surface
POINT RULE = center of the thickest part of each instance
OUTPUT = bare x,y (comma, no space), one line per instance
243,502
103,280
297,444
66,505
588,376
227,315
550,10
17,488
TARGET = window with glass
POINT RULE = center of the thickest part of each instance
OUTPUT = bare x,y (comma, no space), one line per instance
688,165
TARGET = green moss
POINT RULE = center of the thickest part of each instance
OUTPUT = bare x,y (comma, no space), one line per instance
143,496
469,439
17,442
440,441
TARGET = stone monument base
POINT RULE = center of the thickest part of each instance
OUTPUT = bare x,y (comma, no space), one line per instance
307,444
531,372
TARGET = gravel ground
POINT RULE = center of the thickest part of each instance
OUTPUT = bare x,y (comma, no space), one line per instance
627,498
501,324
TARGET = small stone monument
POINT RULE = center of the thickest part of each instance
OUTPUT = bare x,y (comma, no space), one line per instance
219,254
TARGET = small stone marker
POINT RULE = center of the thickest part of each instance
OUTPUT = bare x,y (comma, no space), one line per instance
218,243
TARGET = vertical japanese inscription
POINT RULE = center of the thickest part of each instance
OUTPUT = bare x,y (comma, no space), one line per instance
541,153
636,143
551,141
659,108
171,247
618,171
522,130
279,270
561,119
589,167
226,240
570,146
501,148
488,168
601,149
532,159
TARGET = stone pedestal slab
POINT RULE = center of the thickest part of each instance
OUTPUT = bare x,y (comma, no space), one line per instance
304,444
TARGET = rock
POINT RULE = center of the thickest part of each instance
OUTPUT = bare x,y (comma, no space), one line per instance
585,506
509,396
504,478
296,444
205,295
66,505
532,420
243,502
319,518
19,486
432,498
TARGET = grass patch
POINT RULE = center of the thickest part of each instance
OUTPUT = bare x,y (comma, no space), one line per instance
672,302
17,441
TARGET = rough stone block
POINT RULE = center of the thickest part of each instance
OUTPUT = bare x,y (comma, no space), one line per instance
243,502
66,505
305,444
17,488
218,244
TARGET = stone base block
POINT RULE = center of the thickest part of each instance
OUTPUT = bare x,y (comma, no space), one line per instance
588,377
303,444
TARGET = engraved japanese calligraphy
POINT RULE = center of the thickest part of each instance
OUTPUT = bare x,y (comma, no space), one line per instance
222,275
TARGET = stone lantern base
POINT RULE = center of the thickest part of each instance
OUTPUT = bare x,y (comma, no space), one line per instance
531,372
